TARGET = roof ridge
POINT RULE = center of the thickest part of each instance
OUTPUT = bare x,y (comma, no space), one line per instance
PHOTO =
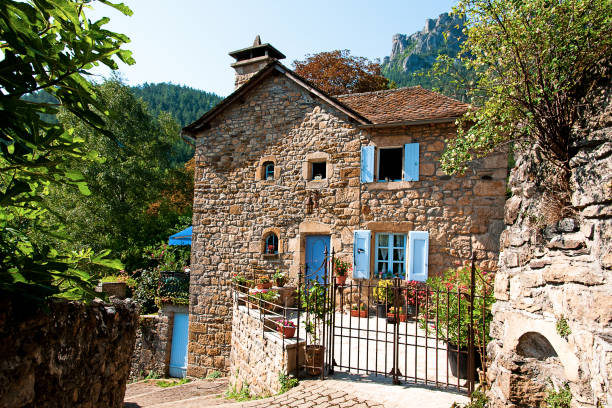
403,88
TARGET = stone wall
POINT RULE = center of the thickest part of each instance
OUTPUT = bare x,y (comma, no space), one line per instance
234,206
71,355
153,344
257,357
558,272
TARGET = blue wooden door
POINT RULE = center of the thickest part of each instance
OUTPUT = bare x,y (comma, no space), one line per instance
178,355
315,256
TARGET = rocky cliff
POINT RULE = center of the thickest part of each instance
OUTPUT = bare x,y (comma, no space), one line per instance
416,53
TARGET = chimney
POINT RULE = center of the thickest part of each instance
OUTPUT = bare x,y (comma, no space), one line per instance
251,60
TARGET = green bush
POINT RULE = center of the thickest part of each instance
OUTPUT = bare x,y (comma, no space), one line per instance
146,291
559,399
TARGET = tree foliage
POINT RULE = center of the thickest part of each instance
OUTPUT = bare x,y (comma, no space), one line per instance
338,72
535,61
137,194
46,45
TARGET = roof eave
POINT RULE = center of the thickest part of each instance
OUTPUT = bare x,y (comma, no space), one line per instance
409,123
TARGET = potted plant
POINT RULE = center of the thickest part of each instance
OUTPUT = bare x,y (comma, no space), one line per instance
383,295
359,310
415,295
263,299
279,278
450,293
341,268
240,282
264,283
286,328
313,302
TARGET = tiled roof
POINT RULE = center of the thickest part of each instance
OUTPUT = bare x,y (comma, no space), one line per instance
403,105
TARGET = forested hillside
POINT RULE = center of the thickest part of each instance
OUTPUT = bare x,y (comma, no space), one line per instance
184,103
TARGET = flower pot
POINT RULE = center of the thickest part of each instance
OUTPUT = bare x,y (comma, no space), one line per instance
280,282
403,318
286,331
359,313
458,361
340,280
381,310
313,354
264,285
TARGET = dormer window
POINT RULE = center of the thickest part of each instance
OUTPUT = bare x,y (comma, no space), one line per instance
271,244
268,168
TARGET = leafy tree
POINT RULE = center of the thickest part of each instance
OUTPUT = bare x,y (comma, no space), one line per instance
535,60
137,196
46,45
338,72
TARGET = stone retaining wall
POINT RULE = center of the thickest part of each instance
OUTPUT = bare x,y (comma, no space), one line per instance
551,273
154,342
71,355
257,357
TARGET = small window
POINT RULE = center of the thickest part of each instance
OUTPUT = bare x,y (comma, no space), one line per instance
319,170
390,163
268,168
271,244
390,256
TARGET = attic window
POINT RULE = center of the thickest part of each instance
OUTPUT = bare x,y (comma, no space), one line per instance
319,170
390,163
268,168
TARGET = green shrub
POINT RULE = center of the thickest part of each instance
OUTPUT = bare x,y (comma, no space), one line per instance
286,382
559,399
563,328
146,291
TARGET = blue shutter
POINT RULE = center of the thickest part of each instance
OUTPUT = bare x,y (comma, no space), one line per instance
361,254
411,162
367,164
418,259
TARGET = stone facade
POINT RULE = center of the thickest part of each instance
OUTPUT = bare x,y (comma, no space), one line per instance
558,272
70,355
282,122
153,344
258,357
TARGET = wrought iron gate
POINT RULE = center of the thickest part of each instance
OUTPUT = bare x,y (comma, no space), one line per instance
407,331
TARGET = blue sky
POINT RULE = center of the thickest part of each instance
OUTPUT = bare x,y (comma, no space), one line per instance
187,41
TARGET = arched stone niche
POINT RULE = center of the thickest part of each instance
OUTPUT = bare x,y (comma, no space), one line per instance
519,331
534,345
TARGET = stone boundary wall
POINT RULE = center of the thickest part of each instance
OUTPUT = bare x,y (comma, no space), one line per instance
71,355
153,344
555,272
257,357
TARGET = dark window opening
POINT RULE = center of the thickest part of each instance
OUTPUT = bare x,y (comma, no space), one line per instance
268,170
319,171
487,177
271,244
390,164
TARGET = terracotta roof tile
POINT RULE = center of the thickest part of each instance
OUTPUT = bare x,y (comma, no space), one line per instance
403,105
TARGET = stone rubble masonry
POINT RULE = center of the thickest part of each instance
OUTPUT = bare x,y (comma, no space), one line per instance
257,357
154,342
234,207
560,271
69,355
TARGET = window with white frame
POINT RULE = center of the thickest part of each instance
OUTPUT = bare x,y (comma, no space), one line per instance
390,259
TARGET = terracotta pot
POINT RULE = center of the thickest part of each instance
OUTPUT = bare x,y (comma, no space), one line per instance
403,317
314,358
264,285
359,313
340,280
286,331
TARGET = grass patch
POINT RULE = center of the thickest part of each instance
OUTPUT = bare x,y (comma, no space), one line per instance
172,383
286,382
213,375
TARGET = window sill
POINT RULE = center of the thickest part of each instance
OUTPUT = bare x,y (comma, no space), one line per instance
270,256
317,184
390,185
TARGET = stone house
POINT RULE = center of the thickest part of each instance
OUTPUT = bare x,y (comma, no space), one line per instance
285,171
